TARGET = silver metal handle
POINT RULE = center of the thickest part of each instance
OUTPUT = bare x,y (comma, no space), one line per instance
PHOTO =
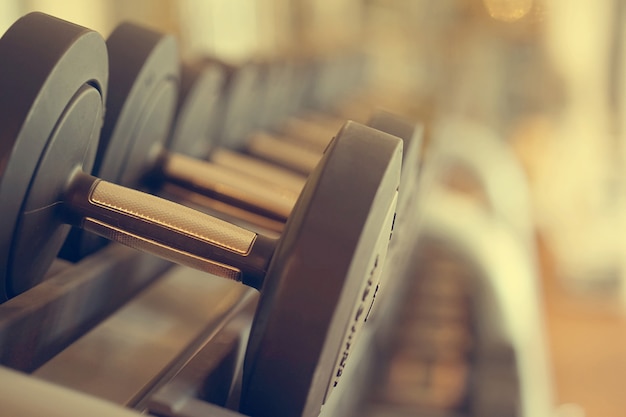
168,230
255,167
238,189
283,152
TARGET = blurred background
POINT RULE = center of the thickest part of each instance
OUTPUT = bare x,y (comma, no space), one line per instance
545,78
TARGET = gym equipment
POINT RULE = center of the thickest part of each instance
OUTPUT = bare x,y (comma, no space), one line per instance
259,202
285,151
317,281
251,91
144,78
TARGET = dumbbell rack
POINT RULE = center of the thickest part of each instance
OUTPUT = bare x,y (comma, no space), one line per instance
57,312
444,357
204,375
138,332
70,300
129,328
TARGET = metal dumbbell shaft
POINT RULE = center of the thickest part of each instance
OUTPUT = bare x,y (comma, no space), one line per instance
232,187
168,230
255,167
284,152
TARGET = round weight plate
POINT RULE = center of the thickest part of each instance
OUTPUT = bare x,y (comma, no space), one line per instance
144,77
241,95
52,83
274,78
323,276
401,245
411,135
194,132
143,90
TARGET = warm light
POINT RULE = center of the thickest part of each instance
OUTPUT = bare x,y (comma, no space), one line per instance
508,10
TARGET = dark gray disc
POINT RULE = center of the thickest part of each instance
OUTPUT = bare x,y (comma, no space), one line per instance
241,95
194,132
144,78
53,79
143,90
412,136
323,276
275,91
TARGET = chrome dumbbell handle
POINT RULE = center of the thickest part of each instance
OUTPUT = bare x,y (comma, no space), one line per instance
169,230
212,180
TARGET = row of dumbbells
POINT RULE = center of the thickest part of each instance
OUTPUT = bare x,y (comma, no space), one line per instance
83,118
439,362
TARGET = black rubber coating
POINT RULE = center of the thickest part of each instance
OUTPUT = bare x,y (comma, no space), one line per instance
275,89
53,74
412,138
195,129
242,91
143,92
327,251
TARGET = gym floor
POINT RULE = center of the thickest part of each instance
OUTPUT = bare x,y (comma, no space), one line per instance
587,341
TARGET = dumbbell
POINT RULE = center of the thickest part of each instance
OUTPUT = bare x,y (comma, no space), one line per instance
175,167
242,92
199,91
190,113
294,124
284,153
279,91
317,281
144,77
239,114
406,129
296,146
196,132
249,89
153,56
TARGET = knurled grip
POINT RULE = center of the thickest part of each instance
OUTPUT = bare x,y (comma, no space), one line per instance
167,229
174,217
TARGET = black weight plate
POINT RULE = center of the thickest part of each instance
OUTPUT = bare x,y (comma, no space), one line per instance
144,78
323,276
246,96
405,222
274,81
411,135
241,95
194,132
52,90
